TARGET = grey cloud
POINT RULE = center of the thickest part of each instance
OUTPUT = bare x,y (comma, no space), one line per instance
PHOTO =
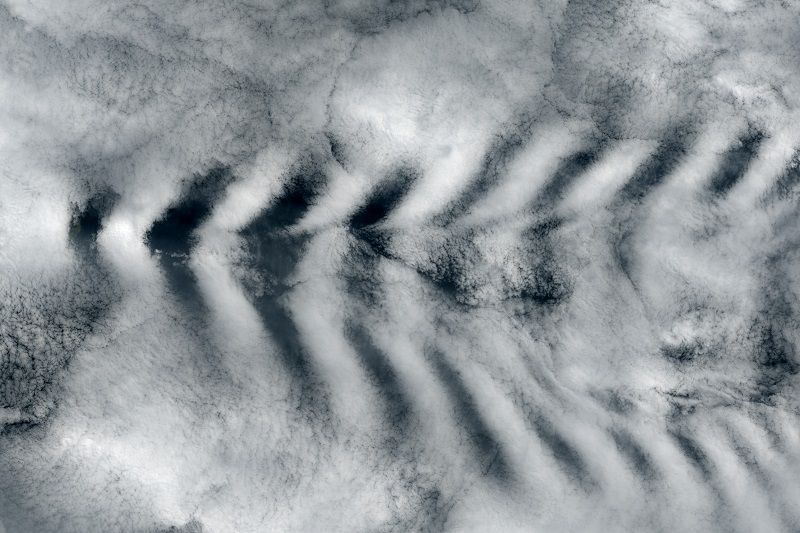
398,266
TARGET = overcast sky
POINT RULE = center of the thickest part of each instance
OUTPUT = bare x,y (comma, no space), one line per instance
399,266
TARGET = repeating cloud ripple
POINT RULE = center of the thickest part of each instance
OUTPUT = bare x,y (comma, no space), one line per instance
394,266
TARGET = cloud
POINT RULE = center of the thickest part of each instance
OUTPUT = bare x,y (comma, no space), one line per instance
398,266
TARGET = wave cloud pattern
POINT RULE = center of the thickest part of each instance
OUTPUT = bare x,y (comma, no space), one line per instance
433,265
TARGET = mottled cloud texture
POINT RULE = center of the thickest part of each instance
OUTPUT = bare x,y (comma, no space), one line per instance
399,266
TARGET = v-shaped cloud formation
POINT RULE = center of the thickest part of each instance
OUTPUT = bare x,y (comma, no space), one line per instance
399,266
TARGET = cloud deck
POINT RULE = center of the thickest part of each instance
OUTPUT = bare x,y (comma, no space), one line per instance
399,266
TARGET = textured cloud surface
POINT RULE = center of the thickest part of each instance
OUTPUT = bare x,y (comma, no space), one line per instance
399,266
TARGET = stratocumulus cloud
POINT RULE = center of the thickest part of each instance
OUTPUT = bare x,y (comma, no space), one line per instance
399,266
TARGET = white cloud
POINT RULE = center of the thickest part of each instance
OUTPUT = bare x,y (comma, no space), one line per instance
620,353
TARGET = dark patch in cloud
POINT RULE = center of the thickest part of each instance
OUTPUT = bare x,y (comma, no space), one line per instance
359,269
373,241
505,146
274,251
384,199
638,459
567,456
488,450
693,452
683,352
772,331
646,179
786,185
172,236
735,163
570,168
450,270
548,282
87,223
775,358
399,409
615,401
671,150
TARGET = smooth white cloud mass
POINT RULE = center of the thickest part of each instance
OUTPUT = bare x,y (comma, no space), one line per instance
399,266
